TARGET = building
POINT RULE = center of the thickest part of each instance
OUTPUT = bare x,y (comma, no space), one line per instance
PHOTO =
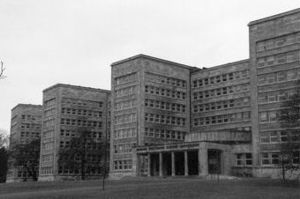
26,123
66,109
172,119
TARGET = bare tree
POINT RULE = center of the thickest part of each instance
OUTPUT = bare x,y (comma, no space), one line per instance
3,156
84,155
290,122
2,69
26,156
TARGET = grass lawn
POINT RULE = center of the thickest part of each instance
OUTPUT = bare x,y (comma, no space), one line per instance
153,188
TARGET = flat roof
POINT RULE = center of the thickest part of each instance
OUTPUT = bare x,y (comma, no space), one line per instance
75,87
274,17
155,59
222,66
27,105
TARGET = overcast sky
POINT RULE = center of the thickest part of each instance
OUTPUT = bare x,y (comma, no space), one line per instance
44,42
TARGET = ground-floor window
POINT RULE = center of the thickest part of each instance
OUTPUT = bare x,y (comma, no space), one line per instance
243,159
123,164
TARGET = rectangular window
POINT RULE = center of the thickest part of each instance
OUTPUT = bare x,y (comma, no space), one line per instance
263,117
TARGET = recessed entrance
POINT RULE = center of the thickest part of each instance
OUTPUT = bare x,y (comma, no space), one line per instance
193,162
179,163
214,161
154,164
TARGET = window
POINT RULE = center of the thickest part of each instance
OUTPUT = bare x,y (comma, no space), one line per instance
265,159
264,137
263,117
274,137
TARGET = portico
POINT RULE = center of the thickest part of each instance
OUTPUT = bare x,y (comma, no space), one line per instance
185,159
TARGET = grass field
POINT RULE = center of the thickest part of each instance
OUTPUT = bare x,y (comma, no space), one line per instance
153,188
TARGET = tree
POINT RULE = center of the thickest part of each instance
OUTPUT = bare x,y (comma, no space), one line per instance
290,122
3,157
26,157
83,156
2,70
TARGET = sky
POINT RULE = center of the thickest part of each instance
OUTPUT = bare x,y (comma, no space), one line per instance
44,42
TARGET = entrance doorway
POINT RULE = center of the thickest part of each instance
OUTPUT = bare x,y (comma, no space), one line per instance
193,162
214,161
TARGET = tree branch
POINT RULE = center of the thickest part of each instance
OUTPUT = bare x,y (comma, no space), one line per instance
2,69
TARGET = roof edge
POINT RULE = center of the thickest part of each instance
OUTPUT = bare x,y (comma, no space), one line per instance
27,105
265,19
75,87
222,65
153,58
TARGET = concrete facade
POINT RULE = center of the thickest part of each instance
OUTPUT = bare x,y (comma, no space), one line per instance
26,125
167,116
66,108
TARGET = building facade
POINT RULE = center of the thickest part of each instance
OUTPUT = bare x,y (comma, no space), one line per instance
66,110
26,125
172,119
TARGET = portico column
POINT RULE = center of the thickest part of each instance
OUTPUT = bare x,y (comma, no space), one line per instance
186,169
149,164
173,163
160,164
203,161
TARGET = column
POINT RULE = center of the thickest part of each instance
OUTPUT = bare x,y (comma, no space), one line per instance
160,164
186,168
203,161
173,163
149,164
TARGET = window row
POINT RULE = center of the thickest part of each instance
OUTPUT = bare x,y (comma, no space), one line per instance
221,78
282,58
83,123
123,148
221,91
126,118
165,92
75,101
165,80
221,105
278,42
125,133
164,105
122,164
243,159
220,119
46,170
281,76
30,134
125,91
125,104
276,96
164,134
31,117
274,137
90,170
74,133
274,158
126,79
164,119
73,111
30,126
269,116
88,145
